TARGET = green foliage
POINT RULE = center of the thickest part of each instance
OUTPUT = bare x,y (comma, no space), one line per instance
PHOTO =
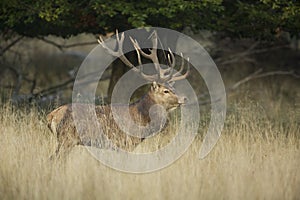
244,18
262,18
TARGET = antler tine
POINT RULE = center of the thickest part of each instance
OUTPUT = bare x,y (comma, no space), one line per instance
102,43
163,74
153,54
148,56
119,53
171,58
181,67
137,49
177,76
167,73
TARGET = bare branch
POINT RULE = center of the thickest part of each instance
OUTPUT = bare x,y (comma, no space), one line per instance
244,55
10,45
53,89
257,74
69,84
246,79
65,46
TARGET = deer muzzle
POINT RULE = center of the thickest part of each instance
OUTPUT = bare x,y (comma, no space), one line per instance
182,100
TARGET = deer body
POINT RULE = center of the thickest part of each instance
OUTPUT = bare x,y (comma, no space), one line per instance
61,122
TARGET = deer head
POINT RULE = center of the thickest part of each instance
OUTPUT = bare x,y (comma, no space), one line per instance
165,96
162,91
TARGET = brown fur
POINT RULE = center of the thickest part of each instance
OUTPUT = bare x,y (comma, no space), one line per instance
60,121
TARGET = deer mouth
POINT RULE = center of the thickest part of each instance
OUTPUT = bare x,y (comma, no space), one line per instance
182,100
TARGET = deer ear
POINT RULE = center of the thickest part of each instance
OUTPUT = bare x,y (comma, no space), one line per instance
154,86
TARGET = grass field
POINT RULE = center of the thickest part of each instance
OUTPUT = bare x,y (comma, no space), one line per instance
257,157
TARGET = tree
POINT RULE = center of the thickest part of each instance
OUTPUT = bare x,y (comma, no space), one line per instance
260,19
65,18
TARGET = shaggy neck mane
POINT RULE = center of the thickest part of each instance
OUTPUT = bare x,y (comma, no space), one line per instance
142,106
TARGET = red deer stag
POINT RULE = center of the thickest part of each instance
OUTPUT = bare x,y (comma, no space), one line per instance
61,122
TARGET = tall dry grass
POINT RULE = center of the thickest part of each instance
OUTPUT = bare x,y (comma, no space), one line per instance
257,157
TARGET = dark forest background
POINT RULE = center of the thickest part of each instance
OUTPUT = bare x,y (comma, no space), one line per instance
44,42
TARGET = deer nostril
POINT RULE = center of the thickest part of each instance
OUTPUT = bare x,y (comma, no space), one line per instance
182,100
185,99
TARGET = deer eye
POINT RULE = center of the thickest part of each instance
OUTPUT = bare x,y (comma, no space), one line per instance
166,91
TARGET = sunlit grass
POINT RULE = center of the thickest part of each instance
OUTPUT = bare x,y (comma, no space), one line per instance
256,157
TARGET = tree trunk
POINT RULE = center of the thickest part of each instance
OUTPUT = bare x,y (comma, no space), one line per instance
118,69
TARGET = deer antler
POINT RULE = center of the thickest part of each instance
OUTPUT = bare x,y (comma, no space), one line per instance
119,53
177,76
163,75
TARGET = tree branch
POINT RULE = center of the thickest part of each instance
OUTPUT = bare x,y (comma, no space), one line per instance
66,84
65,46
10,45
257,74
243,55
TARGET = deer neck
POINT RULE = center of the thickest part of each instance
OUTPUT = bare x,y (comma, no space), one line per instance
142,106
